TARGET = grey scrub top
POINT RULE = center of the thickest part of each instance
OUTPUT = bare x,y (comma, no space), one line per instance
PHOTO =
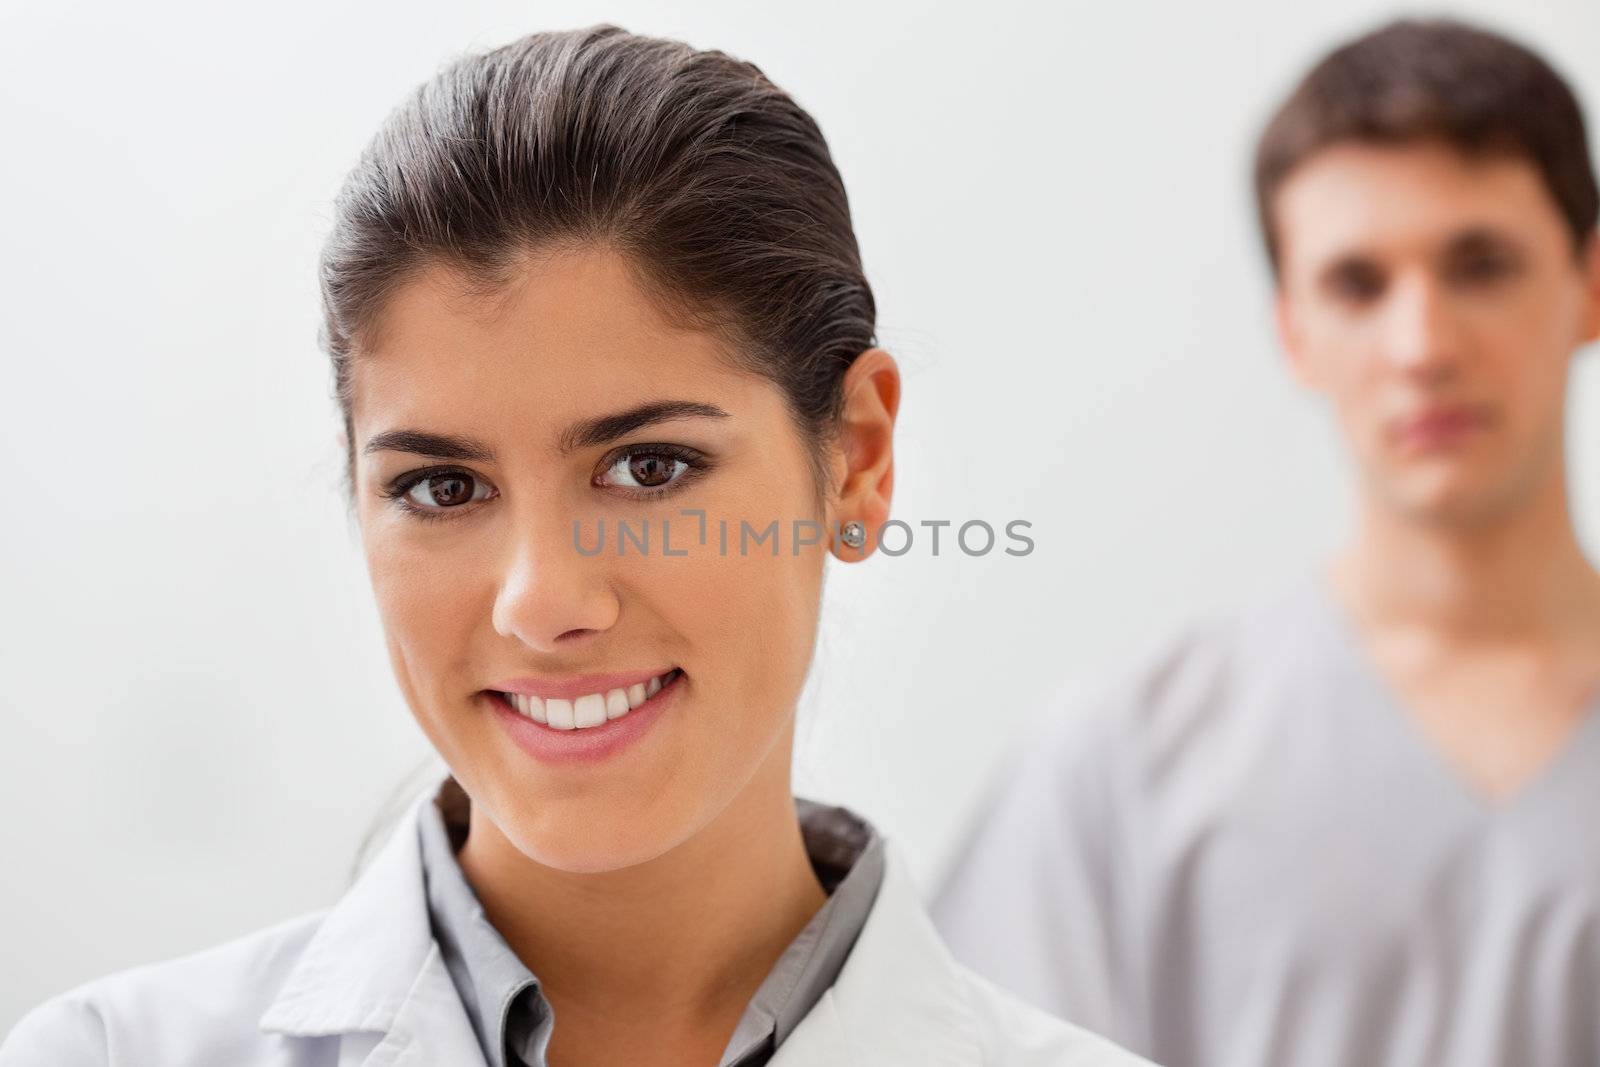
1247,855
507,1007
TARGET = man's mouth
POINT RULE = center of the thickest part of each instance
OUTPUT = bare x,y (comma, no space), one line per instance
1439,426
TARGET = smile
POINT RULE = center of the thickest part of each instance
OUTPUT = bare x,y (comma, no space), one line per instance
591,709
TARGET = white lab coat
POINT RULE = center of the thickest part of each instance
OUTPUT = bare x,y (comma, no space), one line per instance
363,984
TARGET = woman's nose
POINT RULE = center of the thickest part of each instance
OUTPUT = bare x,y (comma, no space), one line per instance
550,594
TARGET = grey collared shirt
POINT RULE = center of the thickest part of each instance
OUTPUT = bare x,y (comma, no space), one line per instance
503,998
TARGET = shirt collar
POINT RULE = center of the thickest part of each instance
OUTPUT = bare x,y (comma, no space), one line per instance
373,966
488,975
846,853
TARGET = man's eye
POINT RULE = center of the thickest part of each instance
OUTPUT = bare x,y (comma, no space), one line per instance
1356,284
1481,269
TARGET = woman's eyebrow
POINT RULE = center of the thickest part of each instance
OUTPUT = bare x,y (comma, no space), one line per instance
437,445
585,434
599,431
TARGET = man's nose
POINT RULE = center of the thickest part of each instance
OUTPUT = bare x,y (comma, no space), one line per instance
1421,330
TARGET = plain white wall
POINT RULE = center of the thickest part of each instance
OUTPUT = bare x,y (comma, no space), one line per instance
198,719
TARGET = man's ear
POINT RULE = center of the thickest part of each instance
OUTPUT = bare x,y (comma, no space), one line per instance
1286,318
863,460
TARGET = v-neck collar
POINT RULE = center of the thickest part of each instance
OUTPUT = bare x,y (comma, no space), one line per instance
1385,704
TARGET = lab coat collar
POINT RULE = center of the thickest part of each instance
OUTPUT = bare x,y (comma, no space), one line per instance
373,966
900,998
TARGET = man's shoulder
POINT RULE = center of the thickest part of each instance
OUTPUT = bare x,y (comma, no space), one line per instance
212,990
1202,675
1172,677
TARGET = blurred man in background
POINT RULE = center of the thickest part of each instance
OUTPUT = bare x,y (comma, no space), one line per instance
1355,825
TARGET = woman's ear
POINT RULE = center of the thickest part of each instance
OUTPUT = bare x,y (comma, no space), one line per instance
864,453
1591,323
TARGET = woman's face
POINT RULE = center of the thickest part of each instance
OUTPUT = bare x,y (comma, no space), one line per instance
485,428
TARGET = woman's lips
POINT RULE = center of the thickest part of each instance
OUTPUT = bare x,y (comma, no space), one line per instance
603,735
575,686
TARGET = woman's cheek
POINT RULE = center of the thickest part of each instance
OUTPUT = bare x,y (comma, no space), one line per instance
420,596
425,610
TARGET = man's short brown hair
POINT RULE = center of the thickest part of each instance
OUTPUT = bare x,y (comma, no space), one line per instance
1416,80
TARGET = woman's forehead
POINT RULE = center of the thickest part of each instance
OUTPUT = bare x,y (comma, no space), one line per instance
573,330
575,341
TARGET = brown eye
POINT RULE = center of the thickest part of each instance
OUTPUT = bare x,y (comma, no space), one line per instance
1481,269
646,470
1355,282
651,469
1481,258
447,490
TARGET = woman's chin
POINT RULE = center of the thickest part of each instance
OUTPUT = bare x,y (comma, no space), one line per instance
585,844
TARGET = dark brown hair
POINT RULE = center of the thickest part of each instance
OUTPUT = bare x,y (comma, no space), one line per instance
1415,80
716,185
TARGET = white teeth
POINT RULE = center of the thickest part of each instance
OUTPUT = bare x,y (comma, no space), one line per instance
531,706
592,709
617,704
589,710
528,704
560,713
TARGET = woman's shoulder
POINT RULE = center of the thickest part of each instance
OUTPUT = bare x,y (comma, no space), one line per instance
165,1012
1018,1034
902,998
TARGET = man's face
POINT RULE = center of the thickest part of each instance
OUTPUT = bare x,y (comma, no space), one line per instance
1437,301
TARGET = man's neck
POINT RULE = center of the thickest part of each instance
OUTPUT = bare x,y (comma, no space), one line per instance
1489,637
1520,577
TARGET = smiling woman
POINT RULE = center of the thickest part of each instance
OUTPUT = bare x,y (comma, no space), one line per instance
594,279
482,593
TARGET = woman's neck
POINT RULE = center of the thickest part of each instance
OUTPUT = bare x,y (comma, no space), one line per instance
666,952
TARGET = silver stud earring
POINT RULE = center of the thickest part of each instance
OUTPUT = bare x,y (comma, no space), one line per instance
853,534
